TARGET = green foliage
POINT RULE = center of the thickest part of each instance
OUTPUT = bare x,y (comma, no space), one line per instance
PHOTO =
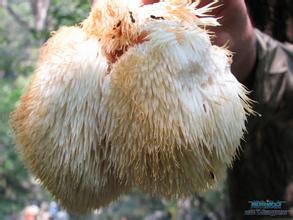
133,206
13,176
17,47
68,12
10,91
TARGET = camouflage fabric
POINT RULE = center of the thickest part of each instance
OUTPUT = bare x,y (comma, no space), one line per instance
265,166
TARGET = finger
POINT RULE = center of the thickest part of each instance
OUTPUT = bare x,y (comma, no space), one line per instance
93,2
145,2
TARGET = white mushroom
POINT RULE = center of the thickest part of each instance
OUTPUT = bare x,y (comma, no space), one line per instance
136,96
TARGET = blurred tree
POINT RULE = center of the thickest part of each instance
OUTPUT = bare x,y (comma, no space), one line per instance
40,12
25,26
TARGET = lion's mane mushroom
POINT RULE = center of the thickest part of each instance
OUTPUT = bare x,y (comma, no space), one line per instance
56,123
136,96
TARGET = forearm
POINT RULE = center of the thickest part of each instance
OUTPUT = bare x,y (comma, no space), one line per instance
238,34
245,55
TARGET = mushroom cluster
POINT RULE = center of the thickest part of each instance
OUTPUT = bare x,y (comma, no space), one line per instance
136,96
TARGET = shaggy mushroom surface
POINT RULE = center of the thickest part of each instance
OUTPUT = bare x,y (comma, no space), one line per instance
135,96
